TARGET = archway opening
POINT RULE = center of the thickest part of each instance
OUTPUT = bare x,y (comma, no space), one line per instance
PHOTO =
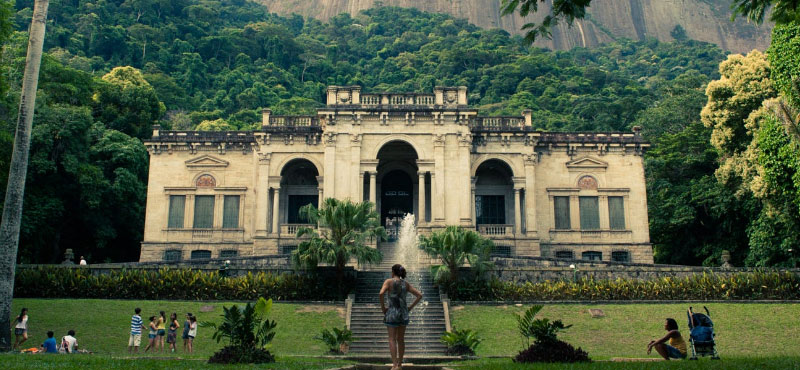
397,169
494,193
299,187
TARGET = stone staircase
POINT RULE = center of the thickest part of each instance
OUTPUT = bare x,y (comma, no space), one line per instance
366,320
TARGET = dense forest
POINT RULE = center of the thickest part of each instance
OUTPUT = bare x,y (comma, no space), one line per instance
113,68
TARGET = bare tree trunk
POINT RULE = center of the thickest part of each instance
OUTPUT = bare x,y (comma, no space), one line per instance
12,211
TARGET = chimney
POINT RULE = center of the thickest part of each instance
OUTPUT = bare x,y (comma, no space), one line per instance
527,113
265,117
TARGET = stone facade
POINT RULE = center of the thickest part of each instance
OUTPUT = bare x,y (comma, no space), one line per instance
540,194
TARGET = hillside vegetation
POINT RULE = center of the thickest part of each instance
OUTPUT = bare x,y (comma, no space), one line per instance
114,67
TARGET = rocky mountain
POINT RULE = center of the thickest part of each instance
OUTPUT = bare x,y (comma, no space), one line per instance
704,20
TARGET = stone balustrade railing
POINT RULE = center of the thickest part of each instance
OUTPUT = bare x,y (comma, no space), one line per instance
397,99
495,230
291,229
294,121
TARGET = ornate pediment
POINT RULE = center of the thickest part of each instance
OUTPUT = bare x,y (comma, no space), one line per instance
587,163
206,161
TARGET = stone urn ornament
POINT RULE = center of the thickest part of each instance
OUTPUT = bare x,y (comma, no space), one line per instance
726,259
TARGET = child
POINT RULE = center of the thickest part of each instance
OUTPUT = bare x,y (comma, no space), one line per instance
151,342
172,334
49,345
21,328
192,332
136,331
186,327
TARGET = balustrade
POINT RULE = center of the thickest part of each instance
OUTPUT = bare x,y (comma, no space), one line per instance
496,230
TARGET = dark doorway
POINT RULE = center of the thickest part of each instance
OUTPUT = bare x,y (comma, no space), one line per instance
397,196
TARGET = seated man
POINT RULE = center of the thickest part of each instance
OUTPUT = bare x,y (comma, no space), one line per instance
676,347
49,345
69,343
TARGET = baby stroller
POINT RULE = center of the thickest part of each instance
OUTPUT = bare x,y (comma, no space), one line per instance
701,337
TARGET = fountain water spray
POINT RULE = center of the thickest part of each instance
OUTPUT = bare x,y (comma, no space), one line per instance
408,254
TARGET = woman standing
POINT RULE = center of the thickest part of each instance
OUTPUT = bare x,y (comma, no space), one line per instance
162,319
152,336
396,315
172,334
21,328
192,332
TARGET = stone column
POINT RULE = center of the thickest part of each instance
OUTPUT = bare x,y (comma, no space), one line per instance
276,198
262,196
320,190
517,213
472,202
372,186
421,196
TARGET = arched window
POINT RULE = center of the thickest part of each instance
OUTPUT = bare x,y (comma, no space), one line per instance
173,255
592,256
201,254
620,256
565,254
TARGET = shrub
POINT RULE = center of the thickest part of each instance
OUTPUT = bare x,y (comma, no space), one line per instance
172,283
706,286
552,351
547,347
248,331
337,340
239,355
461,342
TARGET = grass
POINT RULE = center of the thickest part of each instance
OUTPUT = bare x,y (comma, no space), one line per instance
103,326
744,330
20,361
764,363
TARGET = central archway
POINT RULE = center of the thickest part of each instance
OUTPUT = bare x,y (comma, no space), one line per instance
397,169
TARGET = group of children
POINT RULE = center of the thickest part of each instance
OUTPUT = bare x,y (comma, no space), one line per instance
69,344
158,328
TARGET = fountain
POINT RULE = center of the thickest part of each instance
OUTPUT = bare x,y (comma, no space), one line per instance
407,253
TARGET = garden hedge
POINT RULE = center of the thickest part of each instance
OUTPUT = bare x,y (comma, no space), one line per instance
758,285
172,283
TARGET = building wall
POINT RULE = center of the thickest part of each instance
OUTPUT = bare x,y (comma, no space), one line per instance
444,145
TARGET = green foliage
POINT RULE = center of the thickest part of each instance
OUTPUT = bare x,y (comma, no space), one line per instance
336,339
248,327
55,282
782,11
541,330
707,286
344,228
784,58
455,247
461,342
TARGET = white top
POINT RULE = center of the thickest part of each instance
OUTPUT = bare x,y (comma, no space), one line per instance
83,262
22,324
71,341
193,329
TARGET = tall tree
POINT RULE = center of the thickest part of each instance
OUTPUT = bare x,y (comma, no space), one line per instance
15,191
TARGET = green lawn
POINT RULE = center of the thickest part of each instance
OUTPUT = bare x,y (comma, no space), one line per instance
20,361
743,330
765,363
103,326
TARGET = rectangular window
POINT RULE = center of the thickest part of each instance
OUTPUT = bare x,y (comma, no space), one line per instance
592,256
620,256
172,255
228,253
616,213
562,212
565,254
200,254
230,212
590,214
490,209
177,204
203,212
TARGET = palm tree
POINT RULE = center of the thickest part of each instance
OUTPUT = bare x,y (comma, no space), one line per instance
456,246
344,228
12,210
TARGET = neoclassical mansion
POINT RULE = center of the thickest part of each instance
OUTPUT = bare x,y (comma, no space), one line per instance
548,194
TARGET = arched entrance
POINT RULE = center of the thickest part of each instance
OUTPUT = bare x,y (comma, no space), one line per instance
494,195
299,187
397,191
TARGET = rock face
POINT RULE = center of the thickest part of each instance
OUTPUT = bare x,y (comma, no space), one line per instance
704,20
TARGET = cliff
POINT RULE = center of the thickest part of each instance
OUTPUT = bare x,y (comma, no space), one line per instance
704,20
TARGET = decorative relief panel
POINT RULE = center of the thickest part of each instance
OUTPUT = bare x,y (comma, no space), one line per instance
206,181
587,183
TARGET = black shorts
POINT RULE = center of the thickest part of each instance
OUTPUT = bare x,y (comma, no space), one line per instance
20,331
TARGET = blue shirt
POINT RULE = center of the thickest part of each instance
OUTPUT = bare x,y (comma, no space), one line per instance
50,345
136,325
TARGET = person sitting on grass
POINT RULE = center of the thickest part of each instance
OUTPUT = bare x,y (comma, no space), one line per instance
676,347
49,345
69,344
